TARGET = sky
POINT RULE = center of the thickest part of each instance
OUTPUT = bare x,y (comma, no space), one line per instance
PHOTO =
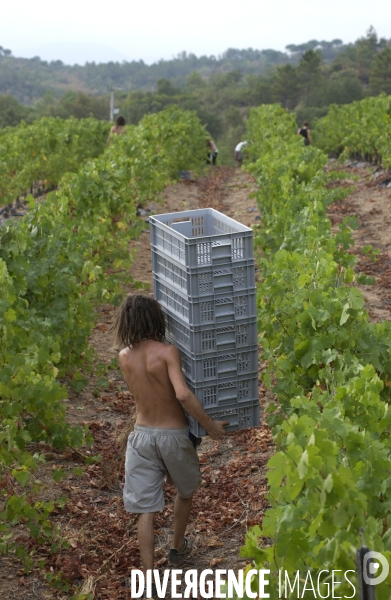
76,31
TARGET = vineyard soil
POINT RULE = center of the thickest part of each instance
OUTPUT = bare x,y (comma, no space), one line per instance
370,203
101,535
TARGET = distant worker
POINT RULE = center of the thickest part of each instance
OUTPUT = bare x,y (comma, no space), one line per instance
306,133
117,128
212,152
239,153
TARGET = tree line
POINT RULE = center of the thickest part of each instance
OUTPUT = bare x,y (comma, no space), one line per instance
28,79
309,79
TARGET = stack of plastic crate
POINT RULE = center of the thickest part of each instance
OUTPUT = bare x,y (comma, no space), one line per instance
204,279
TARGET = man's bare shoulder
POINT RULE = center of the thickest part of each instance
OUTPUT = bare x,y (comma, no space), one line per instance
124,355
171,353
165,350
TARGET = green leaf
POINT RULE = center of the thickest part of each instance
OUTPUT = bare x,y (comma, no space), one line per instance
277,469
301,349
326,488
315,524
356,298
58,475
340,517
345,315
22,476
10,315
303,465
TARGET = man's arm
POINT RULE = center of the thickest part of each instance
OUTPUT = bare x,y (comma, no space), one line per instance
189,401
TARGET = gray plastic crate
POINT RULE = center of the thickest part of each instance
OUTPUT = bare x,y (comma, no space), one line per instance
204,281
213,309
222,391
204,278
240,416
206,338
197,238
234,362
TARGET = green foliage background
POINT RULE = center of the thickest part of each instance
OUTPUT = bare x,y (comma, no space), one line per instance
67,254
328,365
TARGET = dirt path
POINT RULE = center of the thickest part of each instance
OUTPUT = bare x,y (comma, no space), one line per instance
102,537
371,204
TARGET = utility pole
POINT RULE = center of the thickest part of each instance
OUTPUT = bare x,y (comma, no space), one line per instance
111,90
113,111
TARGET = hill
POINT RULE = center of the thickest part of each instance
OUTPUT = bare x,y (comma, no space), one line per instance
307,78
28,79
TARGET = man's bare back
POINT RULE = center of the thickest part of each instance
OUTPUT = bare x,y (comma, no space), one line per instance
153,373
146,373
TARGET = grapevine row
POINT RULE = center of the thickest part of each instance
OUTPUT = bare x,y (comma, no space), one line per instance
329,367
65,256
361,129
45,150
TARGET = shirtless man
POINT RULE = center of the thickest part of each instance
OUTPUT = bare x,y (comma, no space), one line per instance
160,443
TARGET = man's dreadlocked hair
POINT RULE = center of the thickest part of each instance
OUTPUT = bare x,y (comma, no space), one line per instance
139,318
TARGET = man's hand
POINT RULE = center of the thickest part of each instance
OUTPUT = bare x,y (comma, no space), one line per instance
216,430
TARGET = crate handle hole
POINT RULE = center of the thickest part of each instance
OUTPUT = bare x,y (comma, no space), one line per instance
183,220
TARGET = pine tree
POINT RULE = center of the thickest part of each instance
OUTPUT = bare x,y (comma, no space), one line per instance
285,86
380,73
310,77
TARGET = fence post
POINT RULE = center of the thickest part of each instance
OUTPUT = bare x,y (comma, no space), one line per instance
366,591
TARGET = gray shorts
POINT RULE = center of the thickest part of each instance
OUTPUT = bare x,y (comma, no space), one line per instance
150,455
